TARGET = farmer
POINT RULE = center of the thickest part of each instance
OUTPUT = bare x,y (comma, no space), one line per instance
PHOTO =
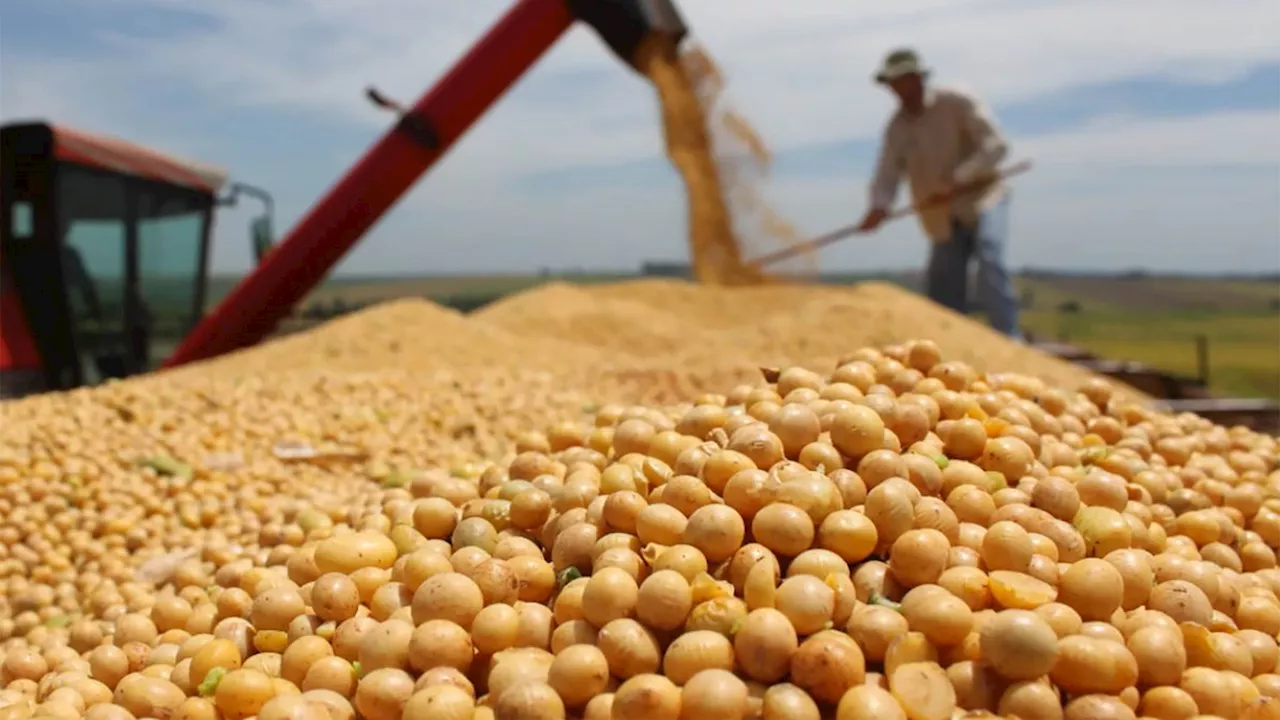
944,140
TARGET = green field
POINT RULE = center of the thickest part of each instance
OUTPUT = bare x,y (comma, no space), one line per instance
1158,321
1152,320
1243,348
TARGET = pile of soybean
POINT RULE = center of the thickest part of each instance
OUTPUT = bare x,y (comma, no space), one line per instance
699,326
588,336
902,537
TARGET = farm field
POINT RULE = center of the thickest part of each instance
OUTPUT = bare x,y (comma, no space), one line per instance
1244,348
1157,321
1148,319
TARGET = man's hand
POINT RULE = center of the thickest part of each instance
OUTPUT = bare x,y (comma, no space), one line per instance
873,219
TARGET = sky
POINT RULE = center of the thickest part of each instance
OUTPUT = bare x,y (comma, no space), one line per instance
1154,125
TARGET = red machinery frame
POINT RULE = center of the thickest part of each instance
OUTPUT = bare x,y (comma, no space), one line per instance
387,170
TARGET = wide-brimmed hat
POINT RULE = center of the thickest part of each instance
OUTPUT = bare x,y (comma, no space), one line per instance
899,63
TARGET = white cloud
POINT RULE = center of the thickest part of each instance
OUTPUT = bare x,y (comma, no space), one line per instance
1229,138
89,94
800,74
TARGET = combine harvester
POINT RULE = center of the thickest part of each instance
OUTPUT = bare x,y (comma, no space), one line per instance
149,215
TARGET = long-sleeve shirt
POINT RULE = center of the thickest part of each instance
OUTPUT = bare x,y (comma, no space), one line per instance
954,140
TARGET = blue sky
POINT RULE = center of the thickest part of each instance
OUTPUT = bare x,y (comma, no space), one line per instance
1155,126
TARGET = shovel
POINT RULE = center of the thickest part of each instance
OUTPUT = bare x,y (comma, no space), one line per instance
851,230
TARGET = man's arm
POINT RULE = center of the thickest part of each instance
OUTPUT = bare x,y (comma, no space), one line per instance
888,175
884,185
989,141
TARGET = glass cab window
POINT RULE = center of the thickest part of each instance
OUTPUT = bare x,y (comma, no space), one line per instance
132,260
171,233
93,225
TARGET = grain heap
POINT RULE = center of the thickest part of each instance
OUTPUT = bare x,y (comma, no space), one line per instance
678,324
812,546
410,333
588,337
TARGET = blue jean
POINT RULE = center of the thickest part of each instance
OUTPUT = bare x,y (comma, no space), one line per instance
947,278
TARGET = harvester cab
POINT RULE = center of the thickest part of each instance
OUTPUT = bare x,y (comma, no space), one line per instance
104,250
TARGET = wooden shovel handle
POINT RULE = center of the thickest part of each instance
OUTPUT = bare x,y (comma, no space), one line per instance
850,230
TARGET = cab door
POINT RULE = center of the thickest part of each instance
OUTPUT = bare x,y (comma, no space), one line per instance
170,266
98,232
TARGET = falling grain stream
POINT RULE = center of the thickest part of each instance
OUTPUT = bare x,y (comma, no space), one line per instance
723,163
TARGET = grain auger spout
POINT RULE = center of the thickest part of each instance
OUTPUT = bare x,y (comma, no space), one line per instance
626,25
420,137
